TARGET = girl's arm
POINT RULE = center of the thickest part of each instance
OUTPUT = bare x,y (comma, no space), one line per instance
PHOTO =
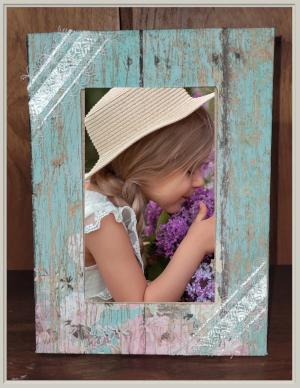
111,247
112,250
171,283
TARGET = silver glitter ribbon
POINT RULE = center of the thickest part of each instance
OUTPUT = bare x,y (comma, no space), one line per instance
244,307
61,71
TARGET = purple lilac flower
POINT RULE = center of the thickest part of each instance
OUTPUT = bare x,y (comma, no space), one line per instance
208,169
196,92
192,204
152,213
169,235
201,287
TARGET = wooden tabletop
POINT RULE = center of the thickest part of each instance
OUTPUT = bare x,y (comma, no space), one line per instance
24,364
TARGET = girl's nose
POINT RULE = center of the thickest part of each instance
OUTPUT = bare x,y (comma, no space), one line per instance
198,180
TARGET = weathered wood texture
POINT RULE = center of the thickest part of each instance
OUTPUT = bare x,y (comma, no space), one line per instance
21,21
24,364
249,17
239,63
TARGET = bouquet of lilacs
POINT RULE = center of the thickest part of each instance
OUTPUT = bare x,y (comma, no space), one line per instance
164,232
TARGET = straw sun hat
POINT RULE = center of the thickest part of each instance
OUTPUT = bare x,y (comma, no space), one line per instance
124,115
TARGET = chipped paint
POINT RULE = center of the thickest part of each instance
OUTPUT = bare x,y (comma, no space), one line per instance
239,64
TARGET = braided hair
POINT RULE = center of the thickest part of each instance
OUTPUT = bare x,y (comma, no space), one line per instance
180,146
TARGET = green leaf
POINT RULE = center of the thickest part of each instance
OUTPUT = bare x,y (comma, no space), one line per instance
162,219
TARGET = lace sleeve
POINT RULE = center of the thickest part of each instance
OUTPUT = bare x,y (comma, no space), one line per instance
93,221
96,207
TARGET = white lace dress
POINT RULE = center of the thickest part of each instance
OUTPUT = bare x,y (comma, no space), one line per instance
97,206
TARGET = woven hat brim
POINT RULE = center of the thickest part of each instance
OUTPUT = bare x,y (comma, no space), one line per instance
190,107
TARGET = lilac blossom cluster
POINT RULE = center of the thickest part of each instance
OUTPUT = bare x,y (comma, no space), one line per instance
201,287
167,236
152,212
170,234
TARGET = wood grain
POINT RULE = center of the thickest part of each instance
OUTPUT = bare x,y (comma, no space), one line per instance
60,66
21,21
250,17
24,364
234,61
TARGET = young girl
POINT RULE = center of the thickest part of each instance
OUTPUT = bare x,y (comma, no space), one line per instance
151,143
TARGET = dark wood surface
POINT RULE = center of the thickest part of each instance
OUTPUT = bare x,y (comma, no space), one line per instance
249,17
23,363
23,20
20,22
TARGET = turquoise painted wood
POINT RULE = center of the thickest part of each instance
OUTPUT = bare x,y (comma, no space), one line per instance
239,64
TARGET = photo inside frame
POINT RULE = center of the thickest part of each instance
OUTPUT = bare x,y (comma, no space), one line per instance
156,223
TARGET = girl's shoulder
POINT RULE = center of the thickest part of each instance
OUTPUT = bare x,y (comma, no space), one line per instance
96,202
98,205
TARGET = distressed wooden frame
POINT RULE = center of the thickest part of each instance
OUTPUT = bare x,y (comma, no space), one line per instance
239,64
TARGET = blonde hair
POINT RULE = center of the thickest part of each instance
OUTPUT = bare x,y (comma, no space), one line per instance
180,146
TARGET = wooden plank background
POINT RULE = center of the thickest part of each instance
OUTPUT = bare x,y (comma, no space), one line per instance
66,322
21,21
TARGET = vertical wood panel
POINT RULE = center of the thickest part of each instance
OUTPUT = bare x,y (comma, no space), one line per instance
239,63
60,66
66,323
250,17
21,21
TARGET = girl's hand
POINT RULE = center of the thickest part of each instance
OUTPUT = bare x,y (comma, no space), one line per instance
205,229
202,212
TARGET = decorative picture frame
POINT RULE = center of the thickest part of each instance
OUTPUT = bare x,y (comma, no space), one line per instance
239,64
